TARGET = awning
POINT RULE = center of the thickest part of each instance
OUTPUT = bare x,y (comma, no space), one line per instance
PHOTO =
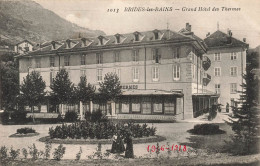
147,92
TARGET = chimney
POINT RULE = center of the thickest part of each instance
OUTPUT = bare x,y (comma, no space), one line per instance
208,34
229,36
188,27
244,40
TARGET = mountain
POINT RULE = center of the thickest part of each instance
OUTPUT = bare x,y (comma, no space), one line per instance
29,20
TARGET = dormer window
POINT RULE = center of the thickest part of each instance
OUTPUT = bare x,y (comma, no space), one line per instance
68,43
137,37
84,43
117,38
53,45
101,42
156,34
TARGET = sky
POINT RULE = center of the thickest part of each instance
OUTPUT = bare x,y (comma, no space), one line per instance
96,15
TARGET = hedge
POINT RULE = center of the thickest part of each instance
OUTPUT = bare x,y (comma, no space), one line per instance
99,130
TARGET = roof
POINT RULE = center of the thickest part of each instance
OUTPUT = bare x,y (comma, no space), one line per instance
25,41
150,92
110,40
219,39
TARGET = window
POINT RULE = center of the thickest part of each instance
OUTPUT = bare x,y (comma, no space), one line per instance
83,73
38,62
176,72
136,105
217,71
118,73
233,88
233,56
52,61
146,105
157,105
136,37
233,71
217,57
68,44
135,55
217,88
156,55
52,76
169,106
99,58
194,71
156,35
155,73
125,105
101,41
117,39
135,74
83,59
99,75
176,53
66,60
116,56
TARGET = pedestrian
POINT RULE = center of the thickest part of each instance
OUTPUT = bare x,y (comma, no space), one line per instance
120,148
129,152
227,107
118,144
113,149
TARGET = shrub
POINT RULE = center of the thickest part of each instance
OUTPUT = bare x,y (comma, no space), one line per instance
25,153
14,153
206,129
71,116
99,130
5,118
34,152
59,152
78,155
47,150
96,116
3,153
25,130
213,112
19,117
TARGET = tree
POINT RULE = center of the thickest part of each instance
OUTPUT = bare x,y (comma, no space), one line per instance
32,90
85,91
110,88
9,82
63,91
245,121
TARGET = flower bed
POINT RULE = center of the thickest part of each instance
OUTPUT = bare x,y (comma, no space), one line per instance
206,129
99,130
25,132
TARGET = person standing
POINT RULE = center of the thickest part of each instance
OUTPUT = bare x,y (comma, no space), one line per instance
227,107
129,152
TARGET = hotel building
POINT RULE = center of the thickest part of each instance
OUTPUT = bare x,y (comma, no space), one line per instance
160,71
228,64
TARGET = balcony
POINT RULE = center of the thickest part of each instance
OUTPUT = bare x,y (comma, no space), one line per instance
206,79
206,63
